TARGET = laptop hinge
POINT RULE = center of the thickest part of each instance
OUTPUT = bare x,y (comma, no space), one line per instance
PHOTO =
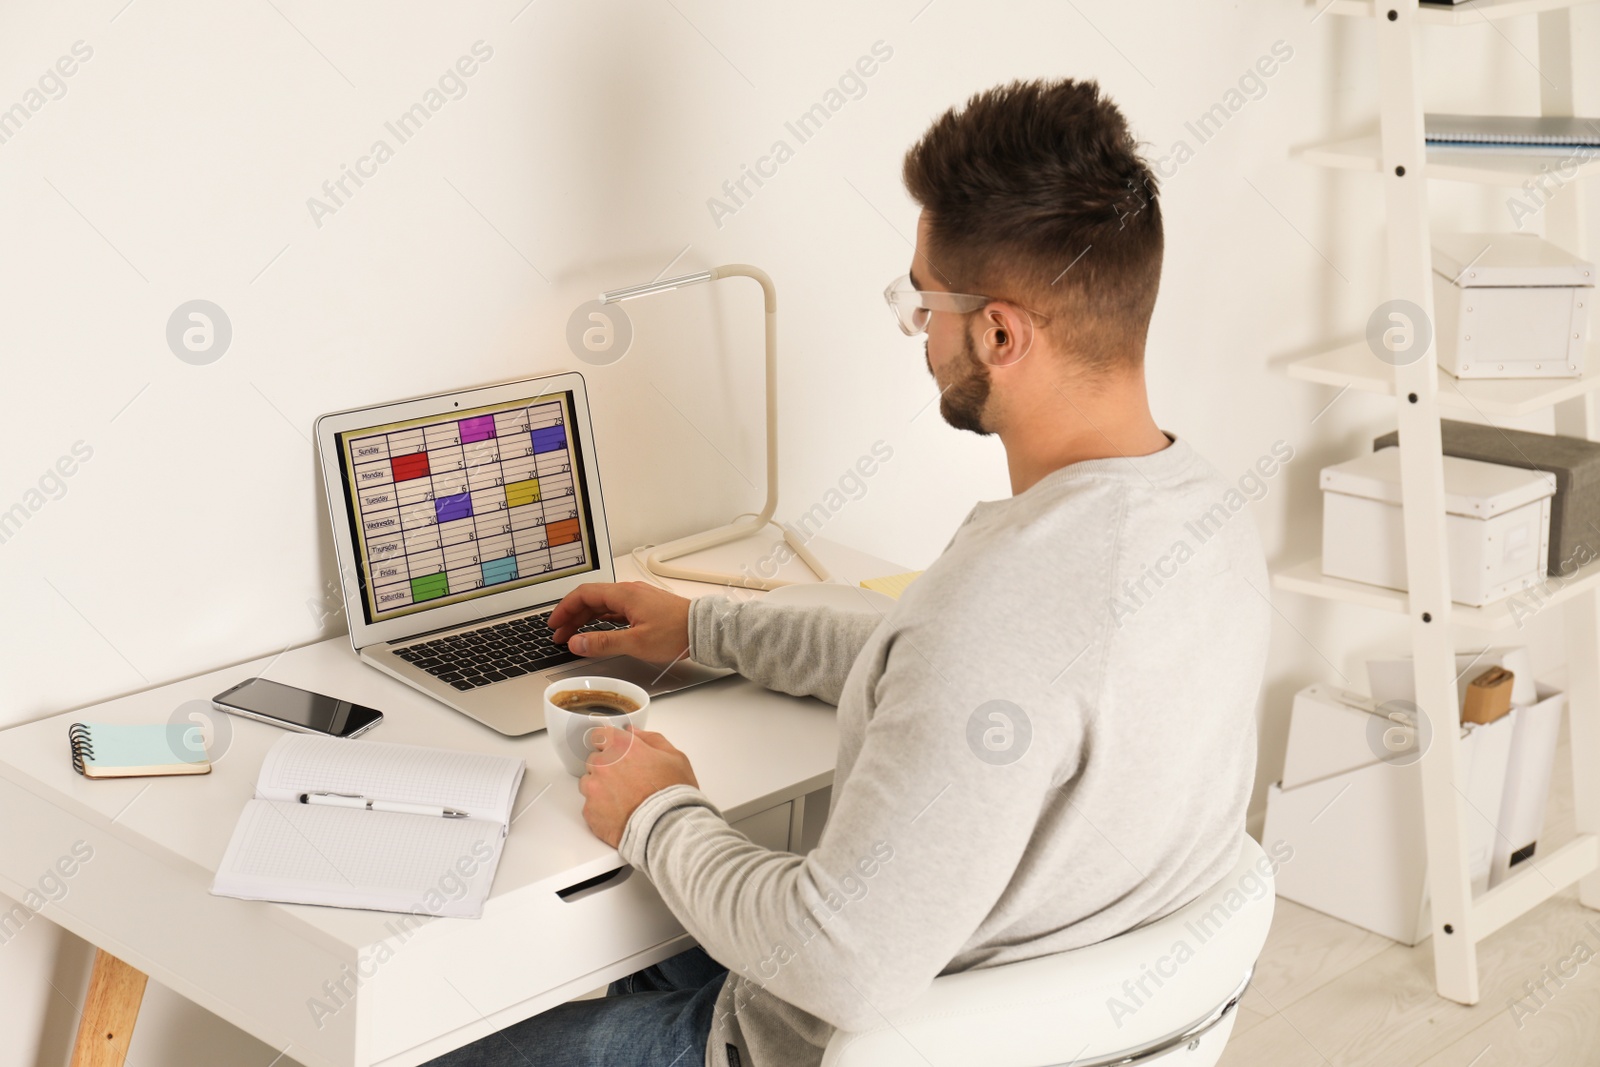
475,623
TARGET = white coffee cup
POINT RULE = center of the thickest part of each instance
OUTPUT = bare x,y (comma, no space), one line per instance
571,730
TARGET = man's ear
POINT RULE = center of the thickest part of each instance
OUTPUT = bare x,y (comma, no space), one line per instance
1005,334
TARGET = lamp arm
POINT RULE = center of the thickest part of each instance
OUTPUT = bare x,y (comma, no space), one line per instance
770,300
656,559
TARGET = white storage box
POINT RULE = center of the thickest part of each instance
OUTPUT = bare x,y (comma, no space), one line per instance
1395,679
1358,840
1359,845
1491,748
1334,732
1527,788
1328,735
1497,525
1358,849
1510,306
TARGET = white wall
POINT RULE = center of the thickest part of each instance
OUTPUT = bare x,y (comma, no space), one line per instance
179,162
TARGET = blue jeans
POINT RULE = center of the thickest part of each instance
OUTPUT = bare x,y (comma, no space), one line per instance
657,1017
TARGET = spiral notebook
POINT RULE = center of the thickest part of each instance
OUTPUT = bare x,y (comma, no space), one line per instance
119,750
298,853
1496,132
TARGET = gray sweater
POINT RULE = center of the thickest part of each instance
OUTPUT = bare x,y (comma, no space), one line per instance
1047,742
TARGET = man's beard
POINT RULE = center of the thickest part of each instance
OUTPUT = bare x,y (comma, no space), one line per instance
963,399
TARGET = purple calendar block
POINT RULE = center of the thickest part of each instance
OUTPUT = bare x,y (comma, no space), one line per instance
449,508
549,438
476,429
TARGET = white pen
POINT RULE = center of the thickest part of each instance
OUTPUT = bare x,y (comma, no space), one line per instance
351,800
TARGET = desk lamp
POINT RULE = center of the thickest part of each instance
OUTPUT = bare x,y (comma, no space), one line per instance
656,559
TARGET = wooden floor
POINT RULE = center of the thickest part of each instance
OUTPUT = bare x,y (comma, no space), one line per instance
1327,993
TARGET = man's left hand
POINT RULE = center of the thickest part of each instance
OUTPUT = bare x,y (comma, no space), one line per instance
626,767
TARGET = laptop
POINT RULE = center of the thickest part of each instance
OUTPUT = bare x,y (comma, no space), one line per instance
459,521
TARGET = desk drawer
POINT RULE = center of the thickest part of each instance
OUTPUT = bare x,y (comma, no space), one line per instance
516,962
479,976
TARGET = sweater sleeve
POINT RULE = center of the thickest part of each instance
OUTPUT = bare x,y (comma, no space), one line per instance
915,853
800,651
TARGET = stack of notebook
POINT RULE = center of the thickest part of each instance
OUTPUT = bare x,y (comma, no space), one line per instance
1499,133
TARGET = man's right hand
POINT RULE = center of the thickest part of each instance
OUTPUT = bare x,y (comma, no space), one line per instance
658,621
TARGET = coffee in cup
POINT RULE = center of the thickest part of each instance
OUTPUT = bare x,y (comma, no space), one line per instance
595,701
575,707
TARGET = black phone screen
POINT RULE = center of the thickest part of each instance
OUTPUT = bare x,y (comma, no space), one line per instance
298,707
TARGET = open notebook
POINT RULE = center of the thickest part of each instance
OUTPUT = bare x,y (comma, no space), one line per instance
297,853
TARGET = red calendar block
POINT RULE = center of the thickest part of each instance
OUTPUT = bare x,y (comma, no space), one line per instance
408,467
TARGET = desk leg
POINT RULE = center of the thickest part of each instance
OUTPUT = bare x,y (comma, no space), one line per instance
797,823
109,1012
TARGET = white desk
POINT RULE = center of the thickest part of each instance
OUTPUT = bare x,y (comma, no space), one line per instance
144,896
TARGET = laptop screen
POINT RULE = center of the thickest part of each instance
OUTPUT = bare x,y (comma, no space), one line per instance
448,508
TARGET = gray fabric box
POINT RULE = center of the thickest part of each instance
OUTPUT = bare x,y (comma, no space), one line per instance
1575,511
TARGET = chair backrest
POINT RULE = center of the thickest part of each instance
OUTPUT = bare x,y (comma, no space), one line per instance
1090,1004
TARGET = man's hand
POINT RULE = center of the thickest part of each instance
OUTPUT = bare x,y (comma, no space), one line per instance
658,621
626,767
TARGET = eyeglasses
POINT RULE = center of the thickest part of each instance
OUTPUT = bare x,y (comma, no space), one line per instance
911,306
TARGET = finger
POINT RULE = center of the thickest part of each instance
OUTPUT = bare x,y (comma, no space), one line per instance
601,736
655,740
610,741
609,746
602,643
586,603
602,759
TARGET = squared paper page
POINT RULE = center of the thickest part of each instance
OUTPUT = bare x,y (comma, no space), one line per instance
482,785
345,857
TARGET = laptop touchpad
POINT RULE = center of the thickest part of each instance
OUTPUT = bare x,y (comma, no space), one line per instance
654,679
626,668
605,667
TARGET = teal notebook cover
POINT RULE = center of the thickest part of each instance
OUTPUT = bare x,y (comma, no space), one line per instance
118,750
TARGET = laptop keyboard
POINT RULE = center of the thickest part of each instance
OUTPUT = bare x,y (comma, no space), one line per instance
476,658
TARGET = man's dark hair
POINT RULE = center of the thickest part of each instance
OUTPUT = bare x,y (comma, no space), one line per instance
1035,193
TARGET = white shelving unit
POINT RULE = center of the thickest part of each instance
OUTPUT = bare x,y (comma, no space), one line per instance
1469,14
1352,366
1445,164
1421,391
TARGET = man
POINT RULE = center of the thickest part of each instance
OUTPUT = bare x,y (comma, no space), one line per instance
1050,739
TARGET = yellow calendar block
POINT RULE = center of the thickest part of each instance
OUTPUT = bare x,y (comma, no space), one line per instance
520,493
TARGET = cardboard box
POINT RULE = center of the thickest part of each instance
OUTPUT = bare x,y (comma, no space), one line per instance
1575,462
1355,820
1395,679
1510,306
1328,735
1358,854
1488,696
1359,848
1497,525
1527,789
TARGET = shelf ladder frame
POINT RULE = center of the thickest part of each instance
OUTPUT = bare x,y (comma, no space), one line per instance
1458,921
1566,225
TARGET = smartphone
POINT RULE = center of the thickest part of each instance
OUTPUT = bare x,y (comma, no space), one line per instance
296,709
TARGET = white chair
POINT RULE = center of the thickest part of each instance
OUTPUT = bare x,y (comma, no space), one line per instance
1086,1007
